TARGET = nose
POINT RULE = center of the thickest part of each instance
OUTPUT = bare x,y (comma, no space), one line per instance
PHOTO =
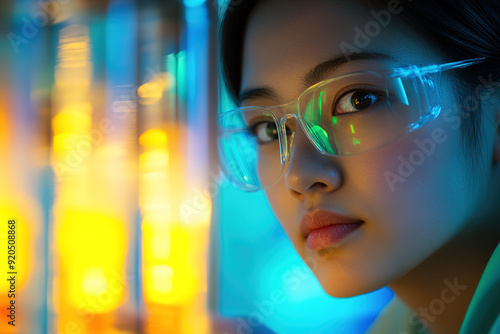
309,171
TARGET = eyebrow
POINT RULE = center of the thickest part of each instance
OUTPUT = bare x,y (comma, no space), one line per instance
315,74
320,71
254,93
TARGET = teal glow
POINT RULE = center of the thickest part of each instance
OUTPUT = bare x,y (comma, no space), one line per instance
320,104
193,3
170,64
321,137
309,113
400,91
181,78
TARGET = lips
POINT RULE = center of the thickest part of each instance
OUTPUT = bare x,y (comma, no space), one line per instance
323,228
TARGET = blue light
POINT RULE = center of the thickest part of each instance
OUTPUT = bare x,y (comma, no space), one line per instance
121,39
196,69
193,3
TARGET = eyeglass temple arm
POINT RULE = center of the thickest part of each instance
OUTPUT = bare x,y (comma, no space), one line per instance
428,69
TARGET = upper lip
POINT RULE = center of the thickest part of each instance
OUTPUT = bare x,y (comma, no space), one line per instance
319,218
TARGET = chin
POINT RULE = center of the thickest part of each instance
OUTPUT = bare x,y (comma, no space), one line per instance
340,282
344,289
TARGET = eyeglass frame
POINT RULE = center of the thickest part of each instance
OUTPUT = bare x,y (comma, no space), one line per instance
402,72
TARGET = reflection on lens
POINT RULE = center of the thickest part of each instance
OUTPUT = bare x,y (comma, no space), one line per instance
249,148
346,115
358,112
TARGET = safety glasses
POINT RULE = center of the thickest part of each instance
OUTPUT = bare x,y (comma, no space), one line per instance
346,115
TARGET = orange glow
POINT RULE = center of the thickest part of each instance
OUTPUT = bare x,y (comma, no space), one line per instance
161,278
90,230
153,138
19,206
72,122
151,92
91,260
22,248
104,106
175,236
73,119
5,134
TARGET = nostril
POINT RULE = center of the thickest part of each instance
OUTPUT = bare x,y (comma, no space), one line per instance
318,186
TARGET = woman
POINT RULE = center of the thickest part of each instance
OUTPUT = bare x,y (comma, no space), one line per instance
374,129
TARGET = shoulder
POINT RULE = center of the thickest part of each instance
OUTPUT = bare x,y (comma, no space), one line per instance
483,314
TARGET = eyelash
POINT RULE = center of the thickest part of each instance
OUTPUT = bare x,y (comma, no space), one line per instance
356,88
255,125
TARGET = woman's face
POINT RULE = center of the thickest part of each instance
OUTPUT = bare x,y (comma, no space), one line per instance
409,211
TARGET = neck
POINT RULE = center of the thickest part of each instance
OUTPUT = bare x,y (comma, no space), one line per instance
440,289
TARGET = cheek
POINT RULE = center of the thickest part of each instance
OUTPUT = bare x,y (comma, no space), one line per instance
286,208
414,196
416,187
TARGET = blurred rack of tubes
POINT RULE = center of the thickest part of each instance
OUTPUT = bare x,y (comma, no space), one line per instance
107,135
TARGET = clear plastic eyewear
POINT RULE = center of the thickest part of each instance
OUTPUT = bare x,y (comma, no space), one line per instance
346,115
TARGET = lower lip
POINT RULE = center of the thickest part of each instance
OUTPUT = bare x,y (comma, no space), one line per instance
327,236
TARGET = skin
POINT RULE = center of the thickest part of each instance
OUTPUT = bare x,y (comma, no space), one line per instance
438,224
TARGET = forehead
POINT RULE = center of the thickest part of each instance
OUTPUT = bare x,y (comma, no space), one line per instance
287,38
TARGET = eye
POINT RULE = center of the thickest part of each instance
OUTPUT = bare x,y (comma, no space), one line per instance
354,101
265,132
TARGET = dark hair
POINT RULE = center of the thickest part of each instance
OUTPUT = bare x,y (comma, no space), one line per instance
460,29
